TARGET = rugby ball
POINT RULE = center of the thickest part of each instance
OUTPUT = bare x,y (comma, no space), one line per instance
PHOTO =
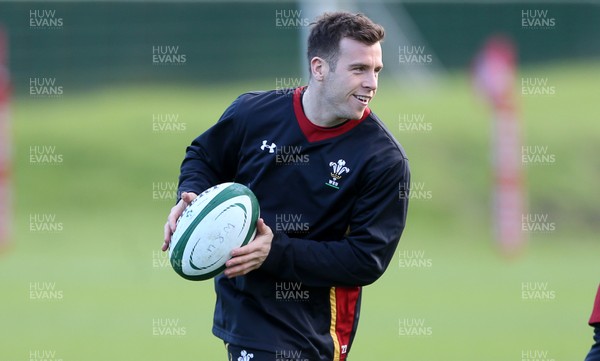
218,220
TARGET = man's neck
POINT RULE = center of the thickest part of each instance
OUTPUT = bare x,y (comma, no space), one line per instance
316,112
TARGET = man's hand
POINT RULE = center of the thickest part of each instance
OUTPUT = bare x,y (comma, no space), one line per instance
176,211
251,256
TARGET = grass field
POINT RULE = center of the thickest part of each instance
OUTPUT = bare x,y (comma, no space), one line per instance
84,278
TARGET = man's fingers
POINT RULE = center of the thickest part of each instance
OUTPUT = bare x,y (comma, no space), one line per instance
247,249
168,234
176,211
243,254
261,227
188,197
235,261
241,270
243,264
251,256
262,230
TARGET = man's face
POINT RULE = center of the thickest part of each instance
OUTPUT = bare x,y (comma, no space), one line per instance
350,87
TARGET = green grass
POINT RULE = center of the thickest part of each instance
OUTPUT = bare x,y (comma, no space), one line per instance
114,283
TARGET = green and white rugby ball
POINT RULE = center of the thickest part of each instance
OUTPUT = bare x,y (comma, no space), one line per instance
217,221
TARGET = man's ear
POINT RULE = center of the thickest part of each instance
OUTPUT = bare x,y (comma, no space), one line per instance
318,68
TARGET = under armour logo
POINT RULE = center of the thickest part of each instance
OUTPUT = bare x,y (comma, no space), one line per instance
245,356
271,147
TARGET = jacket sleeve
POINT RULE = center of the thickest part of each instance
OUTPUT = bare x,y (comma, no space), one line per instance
359,258
213,157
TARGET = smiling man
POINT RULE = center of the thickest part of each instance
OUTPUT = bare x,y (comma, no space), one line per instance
343,82
332,184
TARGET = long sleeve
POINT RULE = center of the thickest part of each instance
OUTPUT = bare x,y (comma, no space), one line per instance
213,157
361,257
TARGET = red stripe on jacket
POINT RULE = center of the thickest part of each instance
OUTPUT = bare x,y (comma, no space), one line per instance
346,299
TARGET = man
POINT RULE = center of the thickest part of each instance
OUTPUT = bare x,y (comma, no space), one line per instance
594,354
332,184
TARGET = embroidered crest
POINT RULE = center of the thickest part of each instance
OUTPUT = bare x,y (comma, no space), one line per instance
338,169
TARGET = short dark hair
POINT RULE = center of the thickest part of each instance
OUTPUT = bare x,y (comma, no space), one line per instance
330,28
